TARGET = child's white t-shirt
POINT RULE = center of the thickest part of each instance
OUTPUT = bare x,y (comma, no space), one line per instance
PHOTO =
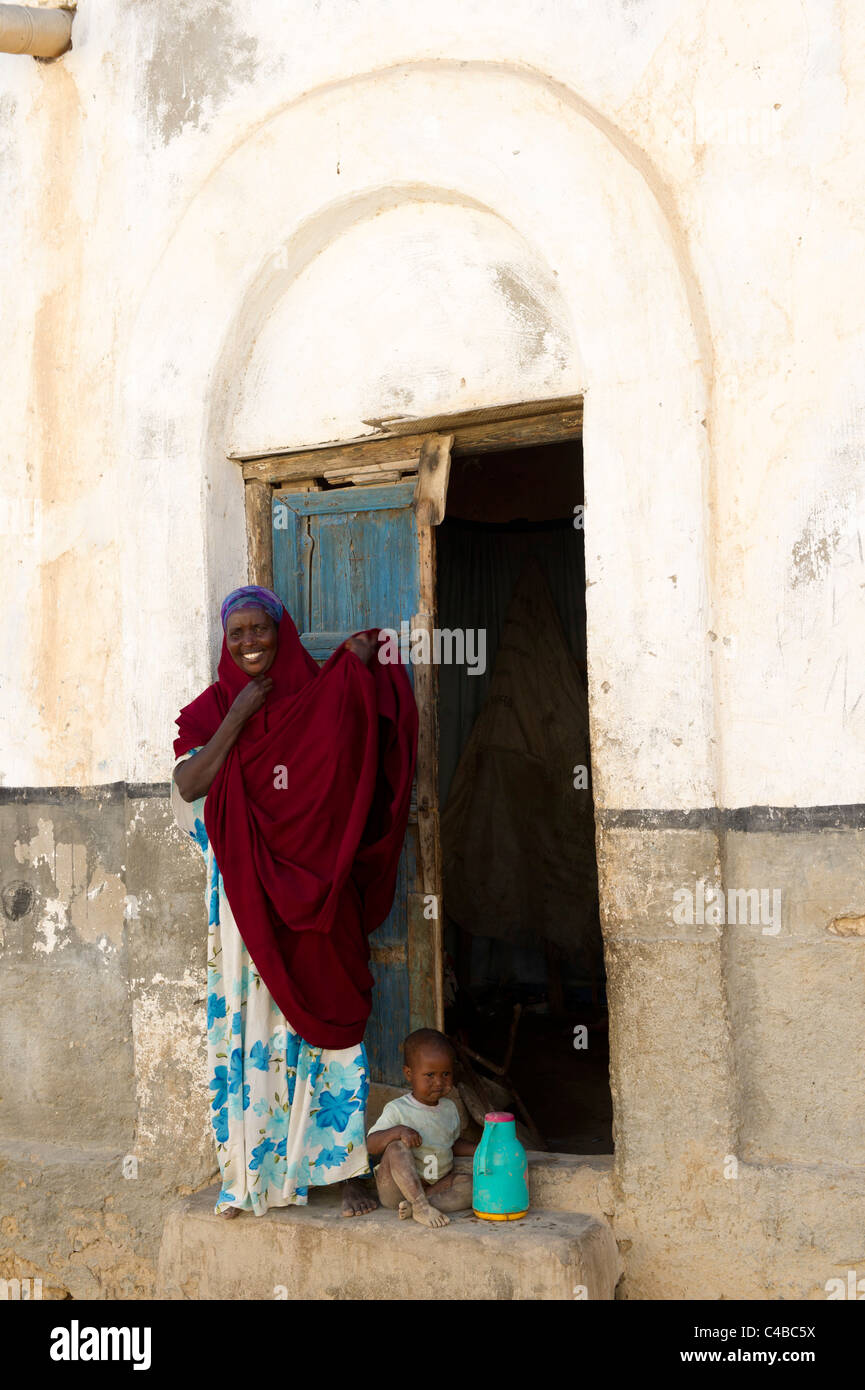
438,1126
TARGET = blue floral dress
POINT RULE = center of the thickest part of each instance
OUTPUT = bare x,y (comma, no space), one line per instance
286,1116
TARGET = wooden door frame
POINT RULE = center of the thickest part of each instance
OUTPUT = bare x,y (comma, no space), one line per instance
421,447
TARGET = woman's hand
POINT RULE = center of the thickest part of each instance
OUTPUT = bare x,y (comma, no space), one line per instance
362,646
251,698
194,777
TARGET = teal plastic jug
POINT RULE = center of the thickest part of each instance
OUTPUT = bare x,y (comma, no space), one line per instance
500,1187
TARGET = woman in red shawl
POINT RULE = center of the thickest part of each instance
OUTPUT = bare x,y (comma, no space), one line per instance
295,783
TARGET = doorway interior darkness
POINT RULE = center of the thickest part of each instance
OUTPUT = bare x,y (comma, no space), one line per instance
520,890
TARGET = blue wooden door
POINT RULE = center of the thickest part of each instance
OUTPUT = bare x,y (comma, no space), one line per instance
344,560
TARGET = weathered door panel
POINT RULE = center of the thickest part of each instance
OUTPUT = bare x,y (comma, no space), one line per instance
346,559
391,1017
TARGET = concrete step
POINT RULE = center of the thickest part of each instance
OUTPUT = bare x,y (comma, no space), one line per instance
571,1182
314,1252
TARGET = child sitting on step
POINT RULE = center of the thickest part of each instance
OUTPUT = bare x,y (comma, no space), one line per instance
418,1135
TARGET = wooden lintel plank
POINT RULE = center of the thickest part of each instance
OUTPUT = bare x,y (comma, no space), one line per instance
380,473
314,462
481,437
518,434
409,465
380,480
300,485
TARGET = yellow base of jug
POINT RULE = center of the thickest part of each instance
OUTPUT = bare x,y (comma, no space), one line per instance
498,1215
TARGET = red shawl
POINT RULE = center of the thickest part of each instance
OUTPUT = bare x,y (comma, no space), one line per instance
306,818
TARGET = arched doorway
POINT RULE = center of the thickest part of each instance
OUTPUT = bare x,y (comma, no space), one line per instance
603,295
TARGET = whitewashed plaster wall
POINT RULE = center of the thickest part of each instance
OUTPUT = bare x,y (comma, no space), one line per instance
243,226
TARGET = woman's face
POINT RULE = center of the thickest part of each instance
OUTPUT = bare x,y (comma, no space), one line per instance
251,638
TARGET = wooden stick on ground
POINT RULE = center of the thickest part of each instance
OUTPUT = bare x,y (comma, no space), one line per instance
465,1052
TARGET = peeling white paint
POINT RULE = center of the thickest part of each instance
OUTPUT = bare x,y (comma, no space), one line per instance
188,981
40,849
170,1065
833,519
53,922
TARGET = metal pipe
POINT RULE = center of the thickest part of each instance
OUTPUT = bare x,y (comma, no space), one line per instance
43,33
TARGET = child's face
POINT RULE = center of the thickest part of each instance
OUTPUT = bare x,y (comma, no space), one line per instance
430,1075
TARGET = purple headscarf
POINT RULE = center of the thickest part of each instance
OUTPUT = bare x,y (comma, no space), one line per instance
252,596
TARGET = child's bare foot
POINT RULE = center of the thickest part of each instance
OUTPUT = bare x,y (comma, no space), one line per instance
355,1201
404,1210
428,1216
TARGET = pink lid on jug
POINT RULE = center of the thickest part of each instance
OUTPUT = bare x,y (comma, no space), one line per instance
496,1116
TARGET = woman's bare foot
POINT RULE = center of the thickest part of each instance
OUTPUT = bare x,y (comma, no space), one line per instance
428,1216
404,1210
230,1211
355,1200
